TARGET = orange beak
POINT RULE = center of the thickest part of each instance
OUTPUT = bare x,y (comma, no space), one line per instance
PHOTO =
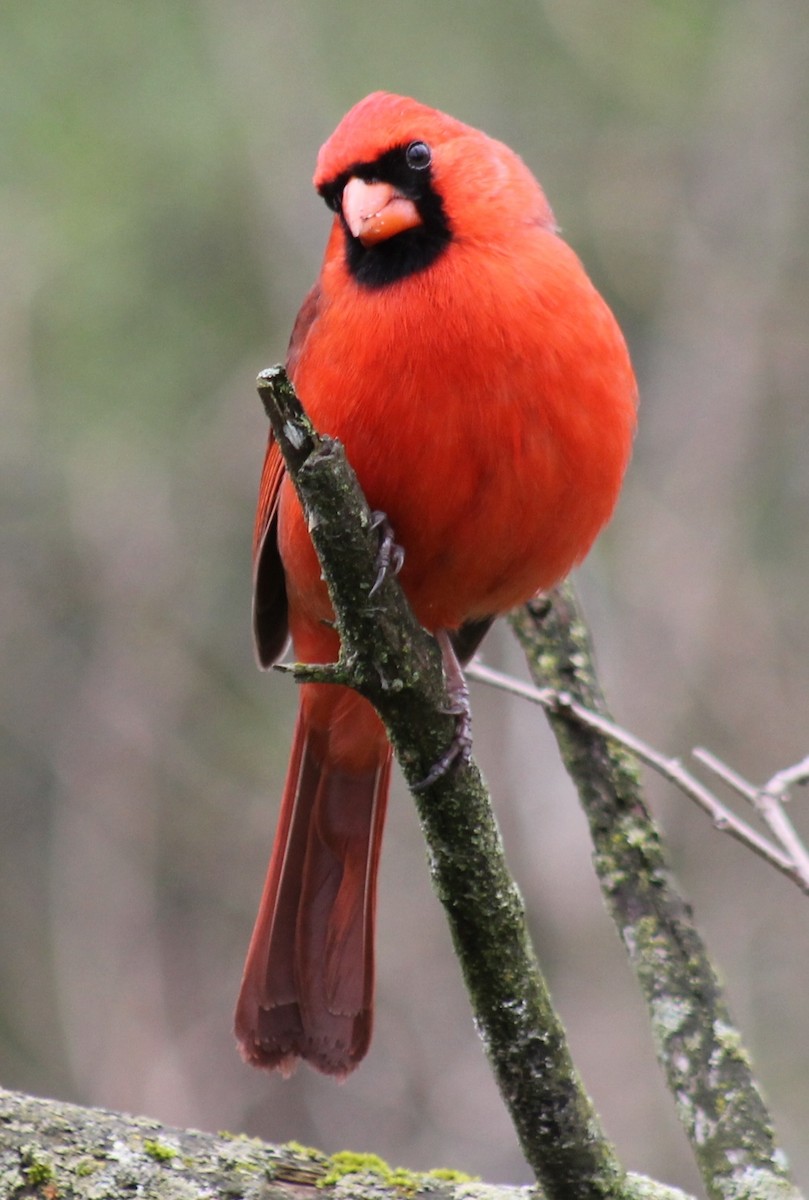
376,211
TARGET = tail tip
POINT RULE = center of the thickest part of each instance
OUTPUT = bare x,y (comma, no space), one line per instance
282,1054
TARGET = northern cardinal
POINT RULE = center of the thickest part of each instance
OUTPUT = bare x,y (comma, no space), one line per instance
485,398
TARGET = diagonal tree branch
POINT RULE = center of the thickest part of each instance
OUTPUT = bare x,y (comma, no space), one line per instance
701,1051
387,657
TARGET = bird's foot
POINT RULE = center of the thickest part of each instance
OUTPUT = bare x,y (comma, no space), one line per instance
390,555
459,751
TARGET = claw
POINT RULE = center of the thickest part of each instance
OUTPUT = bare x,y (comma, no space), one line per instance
390,556
459,751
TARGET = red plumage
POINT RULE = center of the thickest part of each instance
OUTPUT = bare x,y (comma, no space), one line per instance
486,401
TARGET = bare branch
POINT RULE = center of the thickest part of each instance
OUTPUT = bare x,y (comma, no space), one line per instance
782,781
768,802
726,773
723,818
772,812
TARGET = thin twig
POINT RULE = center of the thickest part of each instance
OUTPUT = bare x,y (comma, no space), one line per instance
723,818
734,781
768,803
772,812
782,781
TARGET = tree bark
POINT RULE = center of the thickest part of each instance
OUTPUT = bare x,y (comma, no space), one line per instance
64,1152
701,1051
394,663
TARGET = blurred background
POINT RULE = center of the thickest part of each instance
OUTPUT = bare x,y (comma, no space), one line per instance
157,233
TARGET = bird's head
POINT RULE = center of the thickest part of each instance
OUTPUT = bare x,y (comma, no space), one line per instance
406,181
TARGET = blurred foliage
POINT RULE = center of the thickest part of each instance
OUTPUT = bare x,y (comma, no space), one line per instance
157,232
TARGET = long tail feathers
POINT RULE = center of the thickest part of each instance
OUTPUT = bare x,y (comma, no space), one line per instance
307,989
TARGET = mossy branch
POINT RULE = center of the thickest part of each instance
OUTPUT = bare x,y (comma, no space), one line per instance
389,659
54,1150
701,1051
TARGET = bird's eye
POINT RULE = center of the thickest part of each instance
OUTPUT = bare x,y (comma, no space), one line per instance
333,197
418,156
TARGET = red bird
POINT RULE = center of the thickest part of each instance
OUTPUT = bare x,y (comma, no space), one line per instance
485,398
